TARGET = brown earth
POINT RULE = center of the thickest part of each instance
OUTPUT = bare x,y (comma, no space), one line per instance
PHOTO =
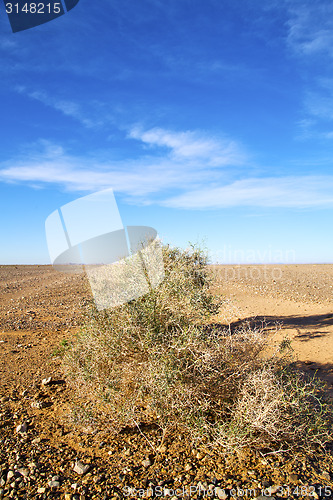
299,298
41,309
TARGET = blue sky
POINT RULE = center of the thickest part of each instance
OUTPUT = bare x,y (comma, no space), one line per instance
211,120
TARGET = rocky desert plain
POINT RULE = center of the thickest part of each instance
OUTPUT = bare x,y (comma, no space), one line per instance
45,454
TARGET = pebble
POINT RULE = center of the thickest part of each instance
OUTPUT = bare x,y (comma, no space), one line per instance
54,484
146,463
22,428
80,468
46,381
10,475
326,475
38,404
221,494
24,472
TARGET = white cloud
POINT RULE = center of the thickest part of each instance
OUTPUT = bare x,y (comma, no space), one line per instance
289,192
186,176
310,28
48,163
68,108
192,146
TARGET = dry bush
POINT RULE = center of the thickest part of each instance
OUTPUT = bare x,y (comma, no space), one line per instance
155,360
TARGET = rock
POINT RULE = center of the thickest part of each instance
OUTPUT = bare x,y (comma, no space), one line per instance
41,490
325,475
38,404
80,468
293,478
68,496
221,494
162,449
46,381
23,471
33,465
146,463
54,484
10,475
188,467
22,428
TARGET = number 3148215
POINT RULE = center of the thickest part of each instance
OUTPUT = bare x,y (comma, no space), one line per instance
34,8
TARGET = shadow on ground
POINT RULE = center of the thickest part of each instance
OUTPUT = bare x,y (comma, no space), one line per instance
308,327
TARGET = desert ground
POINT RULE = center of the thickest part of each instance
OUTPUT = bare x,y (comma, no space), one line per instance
41,309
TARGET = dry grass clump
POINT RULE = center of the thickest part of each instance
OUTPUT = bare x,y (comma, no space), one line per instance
156,360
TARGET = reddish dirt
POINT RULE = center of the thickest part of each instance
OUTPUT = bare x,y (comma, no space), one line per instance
41,308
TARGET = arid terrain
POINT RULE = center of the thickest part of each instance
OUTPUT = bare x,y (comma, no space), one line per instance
41,309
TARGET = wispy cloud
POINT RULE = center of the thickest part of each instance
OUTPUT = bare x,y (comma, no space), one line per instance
310,39
67,107
310,27
179,169
190,164
319,102
288,192
192,146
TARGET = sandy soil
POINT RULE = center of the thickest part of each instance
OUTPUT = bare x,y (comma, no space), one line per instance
40,308
297,298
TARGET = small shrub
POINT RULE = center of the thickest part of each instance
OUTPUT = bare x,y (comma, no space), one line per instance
155,360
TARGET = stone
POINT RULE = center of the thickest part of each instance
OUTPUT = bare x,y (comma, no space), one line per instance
23,471
221,494
146,463
293,478
68,496
38,404
22,428
325,475
54,484
41,490
80,468
10,475
46,381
